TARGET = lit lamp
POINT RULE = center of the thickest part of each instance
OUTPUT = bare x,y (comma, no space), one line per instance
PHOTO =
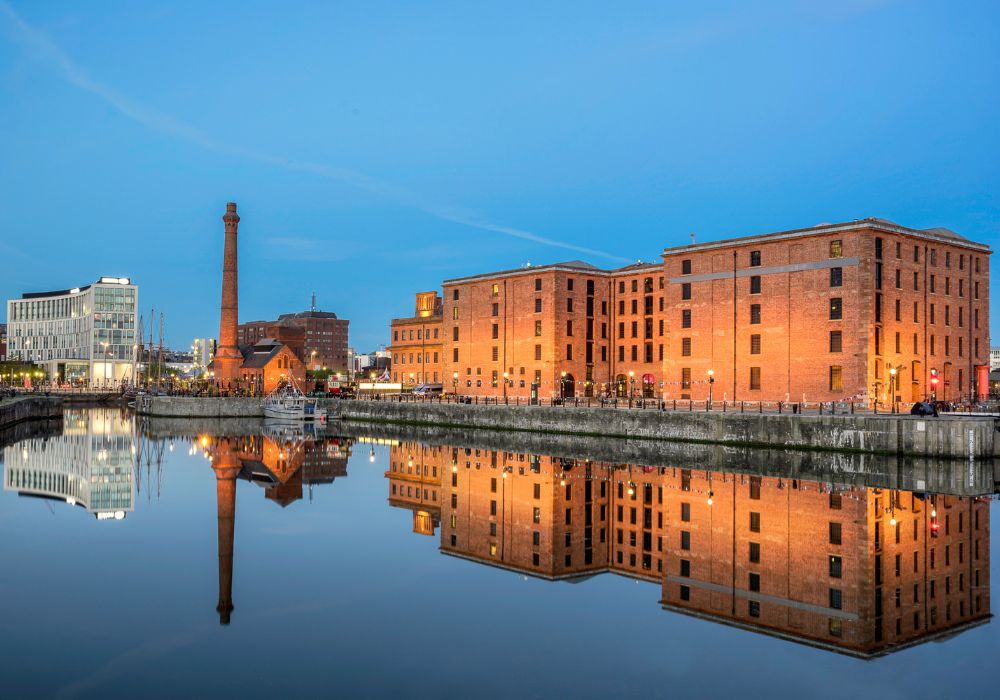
631,381
562,386
454,382
711,383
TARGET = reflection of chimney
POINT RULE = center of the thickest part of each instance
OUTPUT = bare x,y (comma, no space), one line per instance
226,467
227,355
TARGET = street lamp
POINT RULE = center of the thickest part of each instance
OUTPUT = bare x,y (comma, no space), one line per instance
505,387
562,386
454,383
711,384
107,361
892,387
631,381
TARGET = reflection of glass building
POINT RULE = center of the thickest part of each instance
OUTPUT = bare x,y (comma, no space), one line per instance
84,335
89,465
861,571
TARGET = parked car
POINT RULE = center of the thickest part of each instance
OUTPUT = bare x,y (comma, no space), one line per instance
922,408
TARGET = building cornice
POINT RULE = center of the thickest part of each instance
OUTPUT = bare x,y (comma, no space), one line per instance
826,229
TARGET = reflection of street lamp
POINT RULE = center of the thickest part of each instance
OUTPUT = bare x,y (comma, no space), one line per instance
711,383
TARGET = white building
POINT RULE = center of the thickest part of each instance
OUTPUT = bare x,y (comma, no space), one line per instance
85,335
994,358
203,350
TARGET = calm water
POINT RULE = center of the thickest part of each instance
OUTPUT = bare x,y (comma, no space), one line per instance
248,560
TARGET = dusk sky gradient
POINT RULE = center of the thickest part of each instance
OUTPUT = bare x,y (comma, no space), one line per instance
376,149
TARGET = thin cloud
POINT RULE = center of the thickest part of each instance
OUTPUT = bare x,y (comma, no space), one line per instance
40,44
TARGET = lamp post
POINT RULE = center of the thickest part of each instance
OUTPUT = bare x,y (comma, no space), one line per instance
711,385
107,361
631,381
454,383
505,387
892,388
934,385
562,386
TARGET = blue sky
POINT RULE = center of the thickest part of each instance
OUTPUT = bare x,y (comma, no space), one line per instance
376,149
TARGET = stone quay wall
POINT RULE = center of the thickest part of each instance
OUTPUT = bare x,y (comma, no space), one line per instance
25,408
199,407
949,437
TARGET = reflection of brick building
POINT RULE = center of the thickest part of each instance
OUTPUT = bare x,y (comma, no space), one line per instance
281,465
416,343
415,473
827,569
810,566
816,314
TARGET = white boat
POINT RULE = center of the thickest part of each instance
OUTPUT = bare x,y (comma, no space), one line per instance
289,403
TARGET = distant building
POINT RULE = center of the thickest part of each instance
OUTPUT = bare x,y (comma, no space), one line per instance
416,349
319,337
84,335
3,342
379,362
203,352
994,358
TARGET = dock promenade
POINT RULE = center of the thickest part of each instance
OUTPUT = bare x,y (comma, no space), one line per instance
955,436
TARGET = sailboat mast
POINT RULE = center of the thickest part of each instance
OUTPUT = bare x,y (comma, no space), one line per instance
159,358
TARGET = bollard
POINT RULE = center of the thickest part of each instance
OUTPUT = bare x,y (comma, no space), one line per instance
760,407
690,405
675,404
779,408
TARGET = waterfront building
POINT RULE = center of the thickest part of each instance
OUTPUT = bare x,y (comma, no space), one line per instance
83,335
861,311
833,312
202,352
417,343
994,358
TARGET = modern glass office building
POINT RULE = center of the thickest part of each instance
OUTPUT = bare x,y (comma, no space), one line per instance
82,336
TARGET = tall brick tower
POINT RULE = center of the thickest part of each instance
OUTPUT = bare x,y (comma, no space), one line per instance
227,356
226,467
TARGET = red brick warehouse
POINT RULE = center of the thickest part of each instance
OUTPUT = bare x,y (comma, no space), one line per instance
854,311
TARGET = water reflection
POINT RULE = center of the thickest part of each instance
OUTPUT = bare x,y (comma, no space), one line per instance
853,569
281,460
88,465
843,560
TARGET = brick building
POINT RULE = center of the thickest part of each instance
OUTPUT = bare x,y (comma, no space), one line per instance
825,313
860,310
319,337
416,347
848,569
571,329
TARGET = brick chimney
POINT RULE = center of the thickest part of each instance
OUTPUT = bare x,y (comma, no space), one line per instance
227,356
